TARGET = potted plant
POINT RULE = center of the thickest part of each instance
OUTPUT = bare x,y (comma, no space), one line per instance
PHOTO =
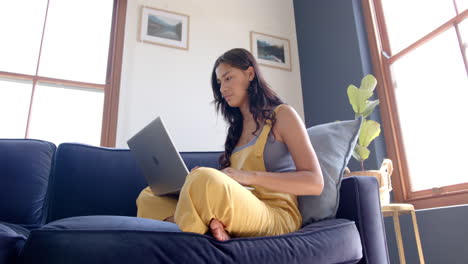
370,129
362,106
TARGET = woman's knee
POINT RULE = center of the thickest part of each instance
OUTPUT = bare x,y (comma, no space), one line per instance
204,174
144,195
205,177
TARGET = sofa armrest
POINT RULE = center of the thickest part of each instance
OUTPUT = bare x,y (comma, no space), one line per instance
359,202
25,167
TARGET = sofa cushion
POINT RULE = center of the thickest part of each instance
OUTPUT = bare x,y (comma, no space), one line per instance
25,166
138,240
333,144
12,239
110,222
89,180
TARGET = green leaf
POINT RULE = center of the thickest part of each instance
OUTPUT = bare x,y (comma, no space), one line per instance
369,108
363,152
369,131
357,98
352,96
356,153
368,82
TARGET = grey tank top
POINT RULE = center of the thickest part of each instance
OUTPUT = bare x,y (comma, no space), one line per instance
276,155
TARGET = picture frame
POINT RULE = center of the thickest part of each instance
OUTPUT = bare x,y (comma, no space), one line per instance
165,28
271,51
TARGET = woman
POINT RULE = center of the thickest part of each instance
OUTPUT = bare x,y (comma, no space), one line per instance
267,148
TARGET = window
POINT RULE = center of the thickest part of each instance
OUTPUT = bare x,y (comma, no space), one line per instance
419,55
60,69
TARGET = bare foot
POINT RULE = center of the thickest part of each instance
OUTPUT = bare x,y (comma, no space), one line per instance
170,219
217,229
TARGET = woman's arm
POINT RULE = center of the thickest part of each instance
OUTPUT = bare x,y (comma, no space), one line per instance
297,182
307,179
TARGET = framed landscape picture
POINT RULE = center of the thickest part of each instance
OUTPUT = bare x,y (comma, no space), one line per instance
164,28
271,51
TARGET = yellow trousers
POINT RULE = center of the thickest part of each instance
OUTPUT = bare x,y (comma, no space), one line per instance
209,193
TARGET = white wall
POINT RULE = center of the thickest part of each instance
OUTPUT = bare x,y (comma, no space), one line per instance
175,83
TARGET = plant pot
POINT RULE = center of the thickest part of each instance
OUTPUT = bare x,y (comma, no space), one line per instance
383,177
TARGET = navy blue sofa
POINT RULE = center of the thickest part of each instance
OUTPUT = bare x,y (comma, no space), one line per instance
76,204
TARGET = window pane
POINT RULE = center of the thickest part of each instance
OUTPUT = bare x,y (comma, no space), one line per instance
431,92
408,21
21,24
66,115
463,27
76,40
462,5
14,107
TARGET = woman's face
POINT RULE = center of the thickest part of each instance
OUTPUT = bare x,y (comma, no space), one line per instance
234,83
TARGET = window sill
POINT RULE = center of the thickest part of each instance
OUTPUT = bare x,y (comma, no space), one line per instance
440,200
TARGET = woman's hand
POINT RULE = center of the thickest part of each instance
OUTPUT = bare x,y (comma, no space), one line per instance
242,177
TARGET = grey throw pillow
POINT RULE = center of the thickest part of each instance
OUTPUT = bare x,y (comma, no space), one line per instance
333,144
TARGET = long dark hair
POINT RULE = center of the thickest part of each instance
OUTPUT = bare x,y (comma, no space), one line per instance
262,100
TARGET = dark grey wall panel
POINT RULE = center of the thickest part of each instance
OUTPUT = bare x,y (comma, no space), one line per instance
333,53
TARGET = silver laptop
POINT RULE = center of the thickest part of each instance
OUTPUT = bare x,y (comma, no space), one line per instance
161,163
157,156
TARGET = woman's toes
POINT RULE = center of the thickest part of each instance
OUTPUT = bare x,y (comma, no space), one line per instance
170,219
218,231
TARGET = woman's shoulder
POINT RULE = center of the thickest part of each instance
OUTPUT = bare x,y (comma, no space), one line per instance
287,117
280,111
288,122
284,110
284,113
277,108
